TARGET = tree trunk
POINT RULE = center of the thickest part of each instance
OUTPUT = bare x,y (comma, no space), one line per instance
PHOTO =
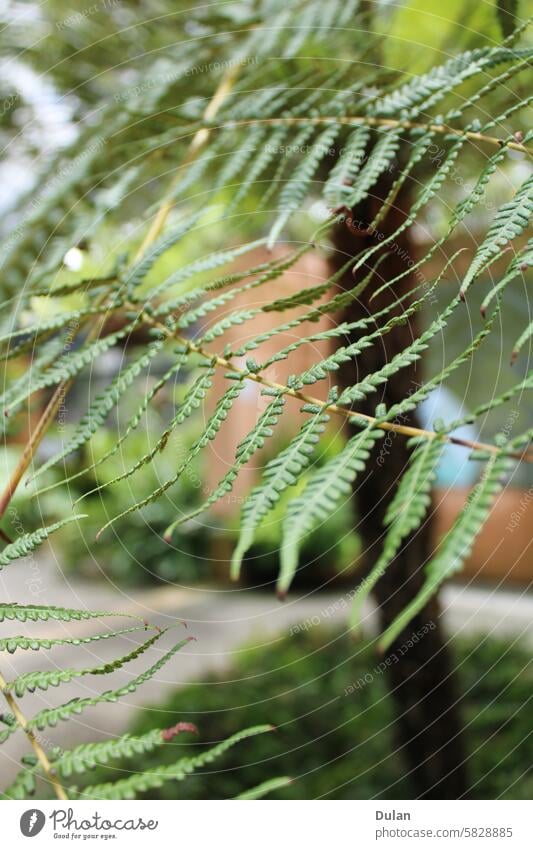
420,679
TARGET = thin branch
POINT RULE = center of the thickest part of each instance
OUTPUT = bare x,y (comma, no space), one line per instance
48,769
406,430
365,120
37,435
199,141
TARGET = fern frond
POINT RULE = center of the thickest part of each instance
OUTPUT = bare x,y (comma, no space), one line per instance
404,515
43,679
213,426
199,266
319,499
70,364
131,425
49,717
139,270
419,94
297,188
87,756
510,221
244,452
457,544
141,782
102,406
280,473
13,644
42,613
347,167
521,262
192,401
411,401
265,788
521,341
28,542
403,359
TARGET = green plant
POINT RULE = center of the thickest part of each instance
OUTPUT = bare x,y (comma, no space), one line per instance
237,146
334,727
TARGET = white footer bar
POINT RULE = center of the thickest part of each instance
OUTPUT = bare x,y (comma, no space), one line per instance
269,824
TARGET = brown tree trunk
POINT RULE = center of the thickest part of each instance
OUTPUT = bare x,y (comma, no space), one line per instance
421,678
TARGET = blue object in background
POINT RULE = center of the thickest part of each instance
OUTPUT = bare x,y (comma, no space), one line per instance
454,469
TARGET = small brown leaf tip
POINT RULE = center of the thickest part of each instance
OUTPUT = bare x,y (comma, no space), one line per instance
168,734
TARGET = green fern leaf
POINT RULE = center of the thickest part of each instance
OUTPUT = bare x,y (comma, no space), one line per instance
30,541
43,679
457,544
404,515
245,451
280,473
213,426
102,406
141,782
510,221
319,499
265,788
296,189
13,644
42,613
49,717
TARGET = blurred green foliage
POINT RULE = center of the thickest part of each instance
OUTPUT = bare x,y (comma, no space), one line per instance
139,555
342,746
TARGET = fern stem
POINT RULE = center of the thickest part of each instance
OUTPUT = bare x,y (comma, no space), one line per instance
40,754
368,121
198,142
405,430
43,424
32,444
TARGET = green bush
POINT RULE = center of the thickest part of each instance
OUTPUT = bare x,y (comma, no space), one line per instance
341,746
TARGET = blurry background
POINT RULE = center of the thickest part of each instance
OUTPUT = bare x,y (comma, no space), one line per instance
61,64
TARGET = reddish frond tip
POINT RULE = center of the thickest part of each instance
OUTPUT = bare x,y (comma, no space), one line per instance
514,357
183,622
191,639
462,296
519,136
167,537
168,734
483,311
273,728
281,595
